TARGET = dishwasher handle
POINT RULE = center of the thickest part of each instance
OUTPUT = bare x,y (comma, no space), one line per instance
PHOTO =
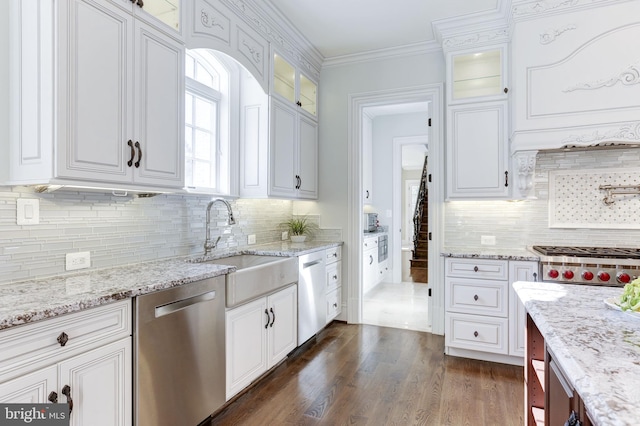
310,264
172,307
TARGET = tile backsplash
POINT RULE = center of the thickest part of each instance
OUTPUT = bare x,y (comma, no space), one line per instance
524,223
125,230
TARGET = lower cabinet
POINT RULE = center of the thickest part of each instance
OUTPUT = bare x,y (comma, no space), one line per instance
259,335
93,376
333,260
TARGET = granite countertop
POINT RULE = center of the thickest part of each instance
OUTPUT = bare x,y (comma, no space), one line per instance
597,347
34,300
493,253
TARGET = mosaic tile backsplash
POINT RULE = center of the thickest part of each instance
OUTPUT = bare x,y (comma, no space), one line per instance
525,223
126,230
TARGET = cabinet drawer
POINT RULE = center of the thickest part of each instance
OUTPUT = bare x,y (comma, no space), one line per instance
334,272
477,268
31,346
333,254
370,243
483,297
478,333
334,304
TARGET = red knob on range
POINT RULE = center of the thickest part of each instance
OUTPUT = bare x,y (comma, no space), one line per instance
567,275
587,275
553,273
603,276
623,277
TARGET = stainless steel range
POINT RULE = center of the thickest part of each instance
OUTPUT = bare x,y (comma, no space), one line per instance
604,266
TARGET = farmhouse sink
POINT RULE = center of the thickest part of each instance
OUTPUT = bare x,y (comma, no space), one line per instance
256,276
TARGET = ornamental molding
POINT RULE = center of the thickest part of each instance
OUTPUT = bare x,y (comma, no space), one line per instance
627,77
257,56
531,8
209,21
275,36
627,133
550,35
525,162
477,38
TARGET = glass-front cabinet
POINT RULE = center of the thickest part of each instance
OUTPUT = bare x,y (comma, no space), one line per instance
294,86
167,11
477,75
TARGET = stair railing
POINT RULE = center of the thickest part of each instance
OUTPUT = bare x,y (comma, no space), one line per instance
417,215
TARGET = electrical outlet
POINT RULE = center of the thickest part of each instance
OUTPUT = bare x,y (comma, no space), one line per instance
285,235
80,260
251,239
488,240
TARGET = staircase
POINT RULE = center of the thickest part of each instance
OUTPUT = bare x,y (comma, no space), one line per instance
420,258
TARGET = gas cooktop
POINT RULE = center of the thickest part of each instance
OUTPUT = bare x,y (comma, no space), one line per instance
597,252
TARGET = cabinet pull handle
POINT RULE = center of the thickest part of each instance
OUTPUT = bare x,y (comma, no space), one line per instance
475,334
133,153
268,319
506,179
274,317
53,397
63,338
475,269
475,297
66,391
137,163
367,197
370,260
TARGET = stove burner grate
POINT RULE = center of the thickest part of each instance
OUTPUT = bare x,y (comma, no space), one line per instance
591,252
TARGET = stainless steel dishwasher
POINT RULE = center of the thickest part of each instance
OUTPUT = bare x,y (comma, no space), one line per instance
312,295
179,374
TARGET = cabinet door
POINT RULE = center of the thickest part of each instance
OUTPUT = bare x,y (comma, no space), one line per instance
477,75
518,271
95,109
367,160
478,155
246,344
33,388
283,328
308,159
159,103
370,269
100,385
282,151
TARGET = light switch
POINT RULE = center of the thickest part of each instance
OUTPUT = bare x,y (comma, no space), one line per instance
28,211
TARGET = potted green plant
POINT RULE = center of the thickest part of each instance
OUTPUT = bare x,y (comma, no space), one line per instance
299,228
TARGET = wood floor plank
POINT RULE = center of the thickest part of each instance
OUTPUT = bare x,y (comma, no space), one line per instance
368,375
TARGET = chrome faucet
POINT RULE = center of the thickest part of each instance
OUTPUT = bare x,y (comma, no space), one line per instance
208,245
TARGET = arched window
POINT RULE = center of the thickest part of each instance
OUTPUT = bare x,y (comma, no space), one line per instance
208,88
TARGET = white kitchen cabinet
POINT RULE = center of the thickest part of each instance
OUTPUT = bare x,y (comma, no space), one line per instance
477,151
291,85
333,262
259,335
118,97
165,14
293,162
370,271
477,75
86,355
480,313
519,271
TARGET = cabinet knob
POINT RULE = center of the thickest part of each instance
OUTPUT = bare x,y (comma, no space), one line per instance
475,297
63,338
335,305
335,277
140,3
53,397
506,90
475,334
66,391
475,269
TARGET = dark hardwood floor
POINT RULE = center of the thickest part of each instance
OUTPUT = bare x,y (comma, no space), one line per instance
369,375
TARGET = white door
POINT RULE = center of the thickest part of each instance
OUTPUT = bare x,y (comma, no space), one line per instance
99,384
282,145
33,388
95,110
283,330
246,344
159,125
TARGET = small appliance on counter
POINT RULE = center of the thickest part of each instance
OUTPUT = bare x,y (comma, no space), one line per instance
370,222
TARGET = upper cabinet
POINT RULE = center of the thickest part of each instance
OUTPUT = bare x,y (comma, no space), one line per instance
160,13
292,85
478,75
113,114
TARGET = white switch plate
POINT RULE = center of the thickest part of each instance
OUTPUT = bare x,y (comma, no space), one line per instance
78,260
285,235
488,240
251,239
27,211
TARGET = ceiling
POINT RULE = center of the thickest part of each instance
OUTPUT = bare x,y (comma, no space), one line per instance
347,27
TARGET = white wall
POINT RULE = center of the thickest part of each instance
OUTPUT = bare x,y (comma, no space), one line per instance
4,83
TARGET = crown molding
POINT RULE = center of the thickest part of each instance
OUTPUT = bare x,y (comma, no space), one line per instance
413,49
531,9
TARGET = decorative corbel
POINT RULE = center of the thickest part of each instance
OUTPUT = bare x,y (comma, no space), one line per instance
525,165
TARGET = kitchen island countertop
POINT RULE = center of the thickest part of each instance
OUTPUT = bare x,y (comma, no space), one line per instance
34,300
597,347
492,253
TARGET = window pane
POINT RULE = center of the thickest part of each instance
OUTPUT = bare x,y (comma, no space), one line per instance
203,145
189,69
188,108
188,142
188,173
203,114
202,174
203,76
